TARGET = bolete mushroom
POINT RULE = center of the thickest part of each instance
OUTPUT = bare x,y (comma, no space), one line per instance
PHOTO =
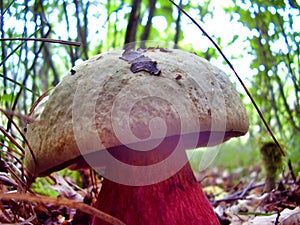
136,113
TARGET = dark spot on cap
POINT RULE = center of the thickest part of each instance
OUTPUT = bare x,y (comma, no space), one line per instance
178,77
72,72
209,112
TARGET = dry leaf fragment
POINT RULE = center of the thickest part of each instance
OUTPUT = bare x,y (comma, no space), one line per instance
148,66
139,62
286,217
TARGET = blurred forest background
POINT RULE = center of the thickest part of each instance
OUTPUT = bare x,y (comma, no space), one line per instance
261,39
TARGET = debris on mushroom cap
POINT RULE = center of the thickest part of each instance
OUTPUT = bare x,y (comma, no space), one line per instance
139,62
202,100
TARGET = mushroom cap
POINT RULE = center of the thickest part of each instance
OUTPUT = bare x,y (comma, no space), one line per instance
102,104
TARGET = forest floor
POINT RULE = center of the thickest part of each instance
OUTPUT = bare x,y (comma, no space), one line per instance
236,199
242,200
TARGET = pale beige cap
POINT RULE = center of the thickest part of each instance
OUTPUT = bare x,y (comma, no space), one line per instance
102,103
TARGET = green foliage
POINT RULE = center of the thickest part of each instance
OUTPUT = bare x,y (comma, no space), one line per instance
234,154
42,186
73,174
276,83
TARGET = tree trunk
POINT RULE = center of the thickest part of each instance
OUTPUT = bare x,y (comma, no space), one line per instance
146,32
133,22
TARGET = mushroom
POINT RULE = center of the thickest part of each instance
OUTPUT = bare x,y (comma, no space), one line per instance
138,125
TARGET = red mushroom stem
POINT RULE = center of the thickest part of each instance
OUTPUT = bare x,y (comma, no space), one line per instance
178,200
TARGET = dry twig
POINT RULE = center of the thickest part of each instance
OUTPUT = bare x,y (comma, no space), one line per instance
65,202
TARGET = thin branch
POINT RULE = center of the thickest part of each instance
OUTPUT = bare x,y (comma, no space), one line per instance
238,77
12,140
65,202
19,84
292,171
14,50
10,113
85,29
55,41
27,72
114,42
49,62
4,10
273,103
284,99
289,60
3,45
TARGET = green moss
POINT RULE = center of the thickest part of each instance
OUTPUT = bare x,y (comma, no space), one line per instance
272,160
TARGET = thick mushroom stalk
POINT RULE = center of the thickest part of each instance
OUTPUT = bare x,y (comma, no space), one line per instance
178,200
135,113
